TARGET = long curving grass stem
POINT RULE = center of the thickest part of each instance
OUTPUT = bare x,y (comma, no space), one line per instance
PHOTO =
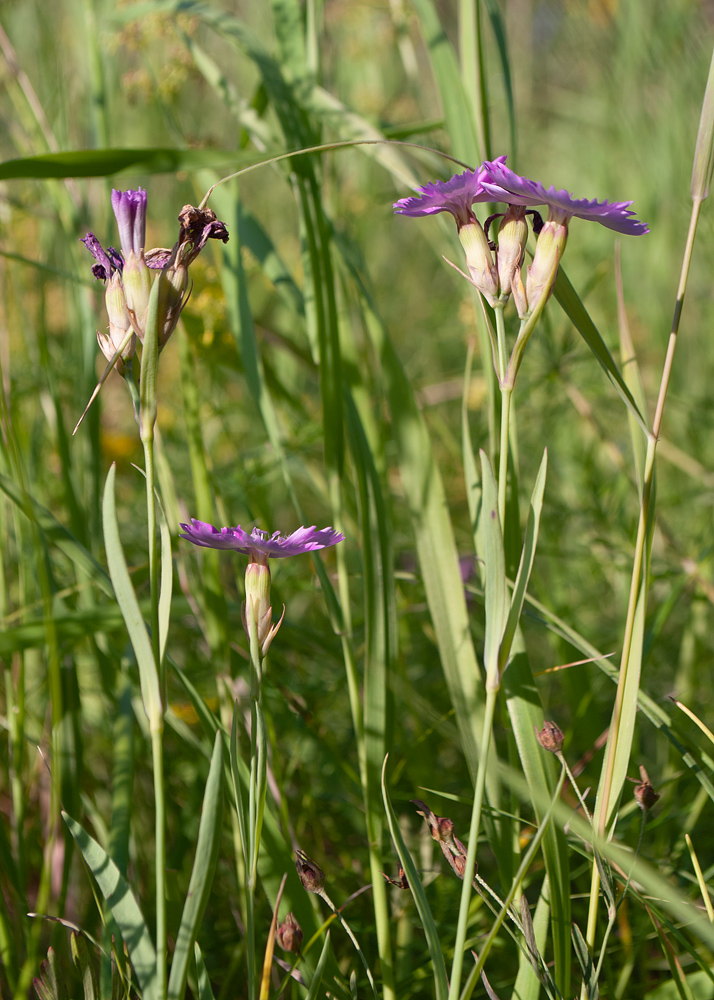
605,803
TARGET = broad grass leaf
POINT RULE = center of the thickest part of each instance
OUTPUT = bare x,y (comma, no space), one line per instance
125,909
204,867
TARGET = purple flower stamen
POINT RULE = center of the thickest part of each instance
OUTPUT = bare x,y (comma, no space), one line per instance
260,542
502,184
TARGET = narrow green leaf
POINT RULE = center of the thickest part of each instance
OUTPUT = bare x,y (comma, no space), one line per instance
314,992
628,715
586,964
83,961
570,303
204,983
496,590
122,902
126,598
458,114
204,867
496,16
632,375
441,986
704,151
530,543
288,21
104,162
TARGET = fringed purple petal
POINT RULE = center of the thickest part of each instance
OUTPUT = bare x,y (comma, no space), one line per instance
456,195
502,184
276,545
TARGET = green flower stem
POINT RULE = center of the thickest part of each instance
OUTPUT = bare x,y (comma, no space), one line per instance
515,885
157,753
604,805
506,395
257,787
457,966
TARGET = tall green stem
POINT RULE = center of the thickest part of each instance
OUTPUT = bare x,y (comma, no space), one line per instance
457,966
157,753
256,791
506,394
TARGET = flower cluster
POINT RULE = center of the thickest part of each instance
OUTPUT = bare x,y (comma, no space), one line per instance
495,268
127,274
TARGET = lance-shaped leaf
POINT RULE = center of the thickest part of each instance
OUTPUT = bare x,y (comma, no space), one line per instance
122,902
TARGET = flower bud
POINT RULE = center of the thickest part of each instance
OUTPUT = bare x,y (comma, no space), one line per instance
119,325
479,260
645,795
550,737
512,239
289,934
137,279
173,296
256,606
310,874
544,269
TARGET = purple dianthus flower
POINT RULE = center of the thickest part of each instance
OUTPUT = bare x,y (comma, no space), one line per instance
260,544
502,184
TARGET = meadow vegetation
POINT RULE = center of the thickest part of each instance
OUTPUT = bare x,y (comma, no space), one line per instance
329,368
